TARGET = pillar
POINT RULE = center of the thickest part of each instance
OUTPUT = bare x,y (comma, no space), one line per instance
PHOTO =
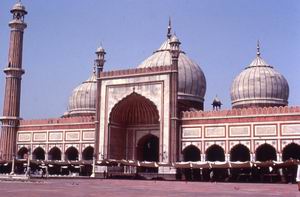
99,63
174,130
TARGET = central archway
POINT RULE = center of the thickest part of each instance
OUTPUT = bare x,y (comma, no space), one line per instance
134,123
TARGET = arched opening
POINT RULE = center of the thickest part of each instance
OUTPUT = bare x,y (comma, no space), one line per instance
54,154
133,115
216,153
23,153
265,152
192,153
38,154
291,151
71,154
148,150
87,153
240,153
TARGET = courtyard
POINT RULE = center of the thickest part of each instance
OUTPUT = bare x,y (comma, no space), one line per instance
114,187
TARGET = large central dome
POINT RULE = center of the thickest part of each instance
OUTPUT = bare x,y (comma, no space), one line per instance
191,80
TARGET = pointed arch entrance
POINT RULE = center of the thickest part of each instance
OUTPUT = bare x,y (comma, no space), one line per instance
265,152
54,154
291,151
134,129
23,153
240,153
148,148
38,154
191,153
216,153
71,154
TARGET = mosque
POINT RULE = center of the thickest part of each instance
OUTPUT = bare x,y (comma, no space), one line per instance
153,113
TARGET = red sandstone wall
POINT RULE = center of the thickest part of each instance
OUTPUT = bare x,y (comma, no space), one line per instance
82,122
241,115
117,143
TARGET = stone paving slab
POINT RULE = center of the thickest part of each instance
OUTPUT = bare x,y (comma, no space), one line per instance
126,188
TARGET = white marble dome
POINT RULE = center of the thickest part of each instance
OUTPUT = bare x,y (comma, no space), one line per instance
191,79
83,98
259,85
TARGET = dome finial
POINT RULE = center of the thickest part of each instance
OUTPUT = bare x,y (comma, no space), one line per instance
169,29
258,48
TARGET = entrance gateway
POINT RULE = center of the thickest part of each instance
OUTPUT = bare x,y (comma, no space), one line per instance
135,118
134,129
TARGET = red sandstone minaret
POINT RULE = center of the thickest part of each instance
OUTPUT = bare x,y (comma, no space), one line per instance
14,72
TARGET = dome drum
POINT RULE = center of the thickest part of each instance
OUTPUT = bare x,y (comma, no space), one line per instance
263,102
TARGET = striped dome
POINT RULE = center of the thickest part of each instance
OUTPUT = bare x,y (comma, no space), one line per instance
83,98
191,80
259,85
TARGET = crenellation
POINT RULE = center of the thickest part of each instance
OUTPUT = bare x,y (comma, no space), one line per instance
136,71
64,120
242,112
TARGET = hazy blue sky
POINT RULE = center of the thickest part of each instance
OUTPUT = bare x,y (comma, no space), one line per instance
220,35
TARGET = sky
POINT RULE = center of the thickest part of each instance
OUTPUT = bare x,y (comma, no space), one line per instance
220,35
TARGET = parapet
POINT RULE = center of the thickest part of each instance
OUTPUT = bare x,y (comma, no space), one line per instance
242,112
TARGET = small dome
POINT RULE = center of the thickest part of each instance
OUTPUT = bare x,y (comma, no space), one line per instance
83,98
216,101
259,85
191,80
100,50
18,7
174,39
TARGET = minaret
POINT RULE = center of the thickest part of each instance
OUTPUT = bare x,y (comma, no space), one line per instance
14,72
99,64
175,52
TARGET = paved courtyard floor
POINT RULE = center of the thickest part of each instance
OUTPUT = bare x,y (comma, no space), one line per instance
124,188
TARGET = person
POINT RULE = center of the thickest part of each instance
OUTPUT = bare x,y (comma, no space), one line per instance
298,177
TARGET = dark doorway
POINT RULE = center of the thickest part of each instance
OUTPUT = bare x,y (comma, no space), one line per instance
54,154
291,151
192,153
148,150
239,153
38,154
71,153
216,153
23,153
265,152
87,153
